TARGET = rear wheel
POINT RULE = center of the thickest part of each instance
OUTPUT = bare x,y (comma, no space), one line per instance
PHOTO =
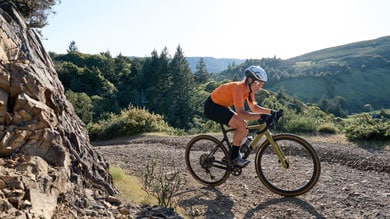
205,159
303,166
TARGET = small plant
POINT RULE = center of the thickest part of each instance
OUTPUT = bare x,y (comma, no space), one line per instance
327,128
162,185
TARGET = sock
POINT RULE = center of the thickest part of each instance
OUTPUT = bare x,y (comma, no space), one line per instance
235,152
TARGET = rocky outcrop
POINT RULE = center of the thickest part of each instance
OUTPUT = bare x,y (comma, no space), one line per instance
45,154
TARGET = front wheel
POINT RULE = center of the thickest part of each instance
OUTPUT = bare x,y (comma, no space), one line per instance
303,169
205,158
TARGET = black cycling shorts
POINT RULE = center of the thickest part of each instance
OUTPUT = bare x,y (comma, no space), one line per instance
217,113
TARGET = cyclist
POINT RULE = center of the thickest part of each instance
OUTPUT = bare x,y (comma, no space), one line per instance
218,107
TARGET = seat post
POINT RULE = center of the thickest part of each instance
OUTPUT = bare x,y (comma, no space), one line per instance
223,130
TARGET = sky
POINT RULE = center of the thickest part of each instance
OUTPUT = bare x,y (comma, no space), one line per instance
243,29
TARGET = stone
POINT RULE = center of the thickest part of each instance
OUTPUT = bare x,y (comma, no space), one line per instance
113,200
42,141
43,204
2,184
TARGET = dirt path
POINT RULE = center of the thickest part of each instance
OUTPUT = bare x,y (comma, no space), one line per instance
354,182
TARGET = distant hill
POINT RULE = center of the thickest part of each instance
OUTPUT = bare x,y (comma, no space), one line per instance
358,72
214,65
368,48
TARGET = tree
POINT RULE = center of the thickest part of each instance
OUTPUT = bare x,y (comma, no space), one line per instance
181,109
150,76
82,104
324,104
125,80
72,47
164,83
35,11
201,74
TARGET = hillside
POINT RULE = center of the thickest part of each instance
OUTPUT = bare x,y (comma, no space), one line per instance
368,48
361,74
214,65
357,73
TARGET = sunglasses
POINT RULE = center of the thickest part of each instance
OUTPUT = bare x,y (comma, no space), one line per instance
258,83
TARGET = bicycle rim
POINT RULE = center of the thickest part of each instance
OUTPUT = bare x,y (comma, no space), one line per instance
303,171
204,159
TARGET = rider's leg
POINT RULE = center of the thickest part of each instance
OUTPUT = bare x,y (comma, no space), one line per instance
239,134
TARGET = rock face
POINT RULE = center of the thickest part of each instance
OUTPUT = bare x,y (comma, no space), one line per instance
45,153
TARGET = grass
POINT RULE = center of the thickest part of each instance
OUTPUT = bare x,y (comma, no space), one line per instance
130,189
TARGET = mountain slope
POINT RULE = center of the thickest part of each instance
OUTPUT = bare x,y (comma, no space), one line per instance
214,65
361,74
357,73
379,46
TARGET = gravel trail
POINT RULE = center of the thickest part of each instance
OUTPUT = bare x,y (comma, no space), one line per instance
354,181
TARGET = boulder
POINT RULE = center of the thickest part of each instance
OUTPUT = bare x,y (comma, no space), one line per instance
45,154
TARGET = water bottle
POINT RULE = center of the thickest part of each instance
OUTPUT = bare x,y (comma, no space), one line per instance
245,146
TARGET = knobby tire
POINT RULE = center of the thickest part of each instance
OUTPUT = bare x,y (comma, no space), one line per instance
204,160
303,171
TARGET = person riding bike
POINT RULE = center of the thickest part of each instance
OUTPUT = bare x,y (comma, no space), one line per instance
233,94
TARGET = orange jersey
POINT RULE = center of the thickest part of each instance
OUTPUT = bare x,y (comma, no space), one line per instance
231,94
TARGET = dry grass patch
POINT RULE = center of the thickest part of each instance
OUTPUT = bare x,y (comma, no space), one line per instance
130,188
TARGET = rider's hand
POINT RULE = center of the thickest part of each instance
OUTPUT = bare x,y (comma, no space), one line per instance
277,114
270,119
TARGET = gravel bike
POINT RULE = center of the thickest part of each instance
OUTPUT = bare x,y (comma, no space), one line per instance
285,163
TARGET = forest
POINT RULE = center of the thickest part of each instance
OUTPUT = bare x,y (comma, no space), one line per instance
117,96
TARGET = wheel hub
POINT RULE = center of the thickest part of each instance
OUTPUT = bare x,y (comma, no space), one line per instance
205,161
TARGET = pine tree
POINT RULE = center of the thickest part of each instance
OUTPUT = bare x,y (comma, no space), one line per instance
181,110
148,81
164,84
201,74
72,47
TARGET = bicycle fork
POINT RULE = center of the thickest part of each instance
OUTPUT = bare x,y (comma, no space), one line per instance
277,150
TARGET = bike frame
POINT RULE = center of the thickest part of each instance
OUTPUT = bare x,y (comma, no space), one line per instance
261,130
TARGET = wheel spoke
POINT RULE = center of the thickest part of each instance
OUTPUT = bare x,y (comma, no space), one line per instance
303,166
204,160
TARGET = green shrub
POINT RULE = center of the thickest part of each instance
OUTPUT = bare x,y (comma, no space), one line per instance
327,128
300,125
129,122
307,121
364,127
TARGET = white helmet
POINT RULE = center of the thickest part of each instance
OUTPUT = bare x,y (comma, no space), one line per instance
256,73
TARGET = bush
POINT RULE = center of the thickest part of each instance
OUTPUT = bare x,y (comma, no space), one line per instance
327,128
307,121
163,186
129,122
364,127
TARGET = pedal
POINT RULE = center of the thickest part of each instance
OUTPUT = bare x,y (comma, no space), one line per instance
236,170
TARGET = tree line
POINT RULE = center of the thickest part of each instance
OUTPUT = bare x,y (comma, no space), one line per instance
101,84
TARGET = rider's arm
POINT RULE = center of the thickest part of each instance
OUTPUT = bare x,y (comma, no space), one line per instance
258,109
245,115
255,113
